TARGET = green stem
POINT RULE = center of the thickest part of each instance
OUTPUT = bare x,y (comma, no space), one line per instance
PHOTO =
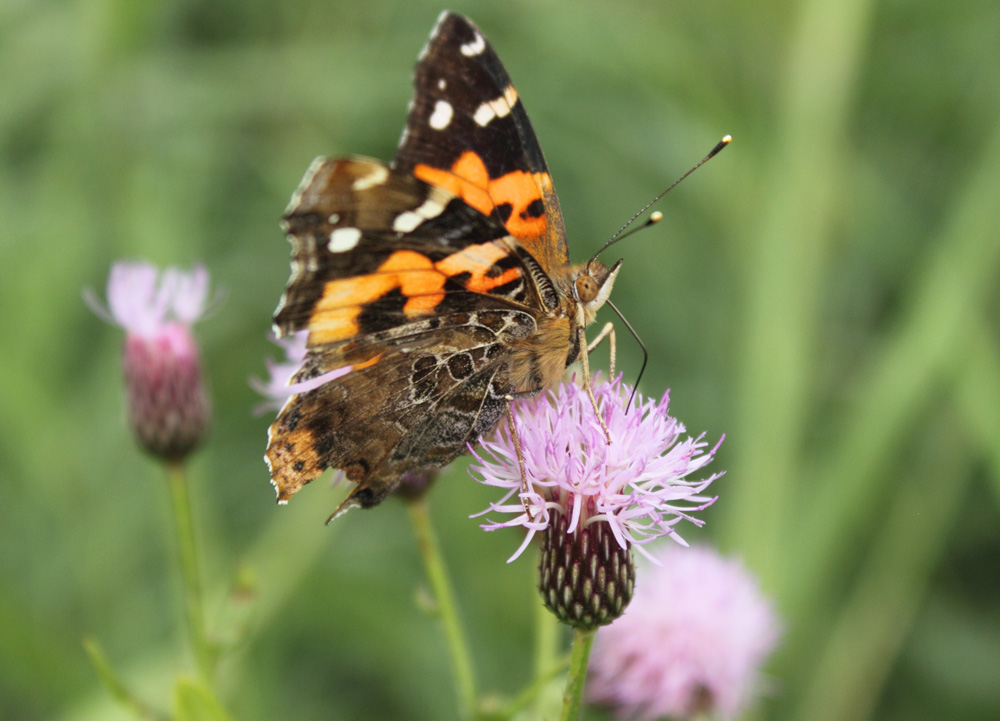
441,588
573,695
187,553
547,655
533,694
119,691
547,635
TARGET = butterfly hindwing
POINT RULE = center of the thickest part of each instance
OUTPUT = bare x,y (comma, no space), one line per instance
468,132
414,408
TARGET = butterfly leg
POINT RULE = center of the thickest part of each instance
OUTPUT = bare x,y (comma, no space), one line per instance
508,399
585,362
608,331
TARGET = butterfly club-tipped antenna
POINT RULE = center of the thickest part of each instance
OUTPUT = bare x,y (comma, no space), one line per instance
624,232
656,217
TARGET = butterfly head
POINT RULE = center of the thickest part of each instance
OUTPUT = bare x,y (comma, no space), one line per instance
592,287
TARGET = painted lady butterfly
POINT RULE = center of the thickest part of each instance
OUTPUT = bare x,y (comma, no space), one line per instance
442,281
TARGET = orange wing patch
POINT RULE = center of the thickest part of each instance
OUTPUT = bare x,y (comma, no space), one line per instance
335,317
418,278
284,453
469,179
415,276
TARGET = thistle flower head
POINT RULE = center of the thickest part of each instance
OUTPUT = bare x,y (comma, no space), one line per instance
279,373
168,407
595,501
145,302
637,484
690,644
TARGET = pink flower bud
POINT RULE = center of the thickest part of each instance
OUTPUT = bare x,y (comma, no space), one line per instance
168,407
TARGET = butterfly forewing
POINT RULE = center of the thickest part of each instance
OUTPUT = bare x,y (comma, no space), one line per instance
372,247
467,131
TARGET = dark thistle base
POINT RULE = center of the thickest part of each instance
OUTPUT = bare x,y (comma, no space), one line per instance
586,579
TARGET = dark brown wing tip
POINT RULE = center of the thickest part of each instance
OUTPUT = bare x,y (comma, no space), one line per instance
345,505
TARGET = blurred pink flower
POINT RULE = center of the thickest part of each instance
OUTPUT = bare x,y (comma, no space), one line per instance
168,408
279,386
691,643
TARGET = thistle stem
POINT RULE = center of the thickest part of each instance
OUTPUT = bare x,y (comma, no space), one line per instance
547,636
194,615
437,576
119,691
547,656
573,695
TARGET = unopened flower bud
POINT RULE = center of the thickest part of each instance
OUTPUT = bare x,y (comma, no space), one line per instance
586,578
167,404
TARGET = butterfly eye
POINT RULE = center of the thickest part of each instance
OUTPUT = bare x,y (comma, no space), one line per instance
586,288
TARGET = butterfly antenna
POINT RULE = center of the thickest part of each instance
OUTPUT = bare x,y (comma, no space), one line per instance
645,353
657,217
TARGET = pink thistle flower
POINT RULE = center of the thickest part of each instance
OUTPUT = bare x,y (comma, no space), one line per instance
590,496
168,408
279,373
637,484
691,643
283,378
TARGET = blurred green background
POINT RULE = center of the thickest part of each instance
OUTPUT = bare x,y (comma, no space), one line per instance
824,292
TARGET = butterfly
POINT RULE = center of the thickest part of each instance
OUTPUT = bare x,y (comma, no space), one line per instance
434,290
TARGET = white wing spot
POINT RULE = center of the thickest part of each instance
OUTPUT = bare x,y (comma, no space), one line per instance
431,208
334,218
498,108
442,84
475,47
484,114
343,239
407,221
441,116
378,176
